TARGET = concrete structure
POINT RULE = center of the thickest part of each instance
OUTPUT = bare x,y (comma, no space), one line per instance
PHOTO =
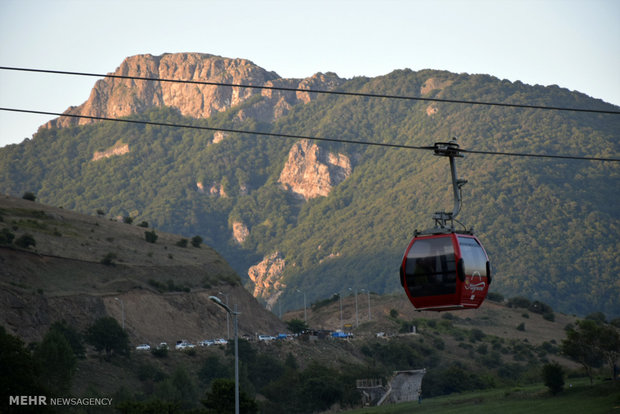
403,386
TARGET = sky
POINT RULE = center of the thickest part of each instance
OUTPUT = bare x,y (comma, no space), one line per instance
574,44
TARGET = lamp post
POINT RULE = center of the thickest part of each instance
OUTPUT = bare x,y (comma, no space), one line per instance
357,319
340,297
305,313
122,311
227,316
234,314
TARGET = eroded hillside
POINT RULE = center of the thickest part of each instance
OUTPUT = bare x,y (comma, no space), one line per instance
160,289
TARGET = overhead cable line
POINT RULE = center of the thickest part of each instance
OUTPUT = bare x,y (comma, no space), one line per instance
332,92
296,136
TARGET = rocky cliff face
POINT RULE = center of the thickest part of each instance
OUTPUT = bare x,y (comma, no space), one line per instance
266,277
113,97
240,232
312,172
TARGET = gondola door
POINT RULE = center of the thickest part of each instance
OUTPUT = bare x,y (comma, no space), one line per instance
476,271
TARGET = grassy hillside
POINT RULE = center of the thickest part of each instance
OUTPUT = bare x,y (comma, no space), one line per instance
84,267
580,398
550,226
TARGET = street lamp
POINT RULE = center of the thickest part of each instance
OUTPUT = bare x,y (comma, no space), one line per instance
227,317
357,320
122,311
234,313
340,297
305,314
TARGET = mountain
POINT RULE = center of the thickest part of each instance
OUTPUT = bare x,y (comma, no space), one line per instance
298,217
116,97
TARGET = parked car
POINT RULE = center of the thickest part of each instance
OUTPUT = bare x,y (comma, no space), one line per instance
183,344
266,338
206,342
163,345
340,334
143,347
220,341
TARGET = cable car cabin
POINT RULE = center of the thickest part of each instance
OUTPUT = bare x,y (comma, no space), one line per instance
446,271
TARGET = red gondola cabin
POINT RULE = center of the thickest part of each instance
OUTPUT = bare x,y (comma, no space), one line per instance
445,271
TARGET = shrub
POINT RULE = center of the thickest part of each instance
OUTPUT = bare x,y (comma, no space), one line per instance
182,243
6,237
108,259
127,219
143,224
28,195
550,316
476,335
25,241
521,327
540,307
196,241
495,297
150,236
553,377
519,302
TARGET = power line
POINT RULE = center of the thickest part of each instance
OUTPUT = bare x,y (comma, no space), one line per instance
332,92
296,136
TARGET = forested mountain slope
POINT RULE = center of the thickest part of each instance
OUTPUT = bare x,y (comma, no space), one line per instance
551,227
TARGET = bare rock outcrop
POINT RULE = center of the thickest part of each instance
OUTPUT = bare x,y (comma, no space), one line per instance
117,149
312,172
240,232
266,277
118,97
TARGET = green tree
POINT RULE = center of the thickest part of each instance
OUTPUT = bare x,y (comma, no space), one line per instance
186,392
220,399
28,195
56,362
18,370
212,369
75,339
150,236
581,346
108,336
196,241
296,326
608,344
598,317
553,377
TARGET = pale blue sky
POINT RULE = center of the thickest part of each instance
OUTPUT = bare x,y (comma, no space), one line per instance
571,43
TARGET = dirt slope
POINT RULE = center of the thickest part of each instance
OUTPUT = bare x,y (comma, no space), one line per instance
162,288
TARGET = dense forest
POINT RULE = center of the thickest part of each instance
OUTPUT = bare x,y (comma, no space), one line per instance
550,226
